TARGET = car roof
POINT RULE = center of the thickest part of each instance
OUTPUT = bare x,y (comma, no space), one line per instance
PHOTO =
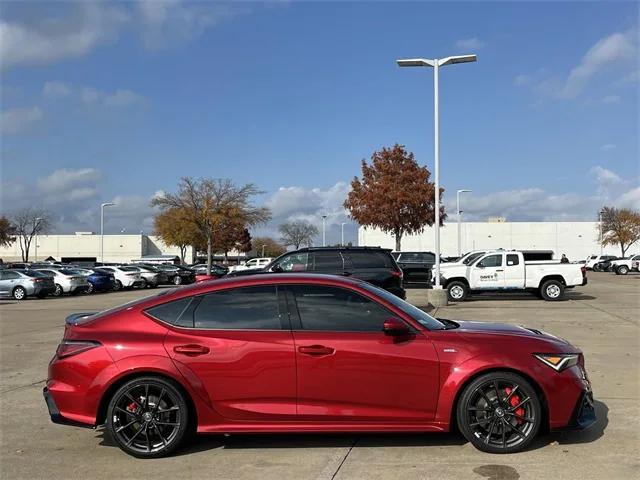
357,249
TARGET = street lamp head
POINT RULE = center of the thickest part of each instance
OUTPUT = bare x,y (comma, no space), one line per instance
457,59
464,191
415,62
107,204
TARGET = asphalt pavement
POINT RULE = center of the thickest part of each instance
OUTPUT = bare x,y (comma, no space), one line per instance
602,318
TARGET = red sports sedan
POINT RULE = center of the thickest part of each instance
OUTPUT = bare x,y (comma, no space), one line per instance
308,353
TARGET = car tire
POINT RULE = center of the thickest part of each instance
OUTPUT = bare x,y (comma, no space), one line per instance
552,290
596,268
90,289
503,404
149,408
58,291
117,286
19,293
144,283
177,280
457,291
622,270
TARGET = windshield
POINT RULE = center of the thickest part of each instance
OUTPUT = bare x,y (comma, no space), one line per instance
67,271
472,257
129,269
418,315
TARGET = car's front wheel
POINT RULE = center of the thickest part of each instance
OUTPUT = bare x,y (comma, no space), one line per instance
177,280
148,417
457,291
499,412
552,290
622,270
19,293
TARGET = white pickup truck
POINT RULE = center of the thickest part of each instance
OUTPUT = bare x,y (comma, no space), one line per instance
254,263
507,270
625,265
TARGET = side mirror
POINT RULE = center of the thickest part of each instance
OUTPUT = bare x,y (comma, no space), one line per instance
277,269
395,328
480,265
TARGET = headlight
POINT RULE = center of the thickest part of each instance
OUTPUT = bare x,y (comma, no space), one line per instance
558,361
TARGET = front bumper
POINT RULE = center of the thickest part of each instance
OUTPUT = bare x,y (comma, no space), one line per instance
54,412
584,414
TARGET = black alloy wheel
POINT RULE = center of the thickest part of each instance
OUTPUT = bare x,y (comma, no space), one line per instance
117,286
499,413
148,417
177,280
58,291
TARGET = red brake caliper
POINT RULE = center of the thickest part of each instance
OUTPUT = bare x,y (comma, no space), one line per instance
513,401
132,407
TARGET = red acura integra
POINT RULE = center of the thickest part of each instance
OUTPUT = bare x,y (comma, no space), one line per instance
308,353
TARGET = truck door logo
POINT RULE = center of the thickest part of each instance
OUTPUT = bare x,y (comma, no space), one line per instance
490,277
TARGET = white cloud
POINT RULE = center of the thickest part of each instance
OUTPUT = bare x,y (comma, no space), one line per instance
17,120
630,199
608,147
605,176
469,44
609,99
522,80
56,89
619,46
56,38
122,98
633,77
66,180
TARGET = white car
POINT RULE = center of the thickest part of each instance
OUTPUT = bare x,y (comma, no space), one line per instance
595,259
66,280
625,265
507,270
252,264
126,277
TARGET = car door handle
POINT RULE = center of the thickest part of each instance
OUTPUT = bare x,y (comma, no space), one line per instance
191,350
500,270
316,350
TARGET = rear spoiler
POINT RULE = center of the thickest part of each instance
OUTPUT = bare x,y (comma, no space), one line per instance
75,318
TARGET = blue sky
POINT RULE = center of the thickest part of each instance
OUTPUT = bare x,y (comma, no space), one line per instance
116,101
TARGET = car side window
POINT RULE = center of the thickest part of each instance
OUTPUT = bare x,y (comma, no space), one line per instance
370,259
296,262
176,312
512,260
328,262
491,261
334,309
10,275
245,308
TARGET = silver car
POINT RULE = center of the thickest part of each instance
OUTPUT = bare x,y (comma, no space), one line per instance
66,281
20,284
149,277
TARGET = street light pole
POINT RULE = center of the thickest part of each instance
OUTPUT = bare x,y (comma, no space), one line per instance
263,250
107,204
35,228
436,64
600,228
342,233
459,217
324,238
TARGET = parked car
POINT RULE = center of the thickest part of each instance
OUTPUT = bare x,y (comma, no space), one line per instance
502,271
125,277
625,265
416,267
254,263
606,265
217,270
66,281
176,274
99,281
18,265
593,260
335,354
151,277
372,264
20,284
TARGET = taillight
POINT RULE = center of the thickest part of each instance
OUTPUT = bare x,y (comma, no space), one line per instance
73,347
396,273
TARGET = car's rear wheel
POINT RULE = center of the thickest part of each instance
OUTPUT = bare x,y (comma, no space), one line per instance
622,270
117,286
144,283
552,290
90,288
499,412
177,280
457,291
148,417
19,293
58,291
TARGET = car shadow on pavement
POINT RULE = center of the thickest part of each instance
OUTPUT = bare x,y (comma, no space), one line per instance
480,297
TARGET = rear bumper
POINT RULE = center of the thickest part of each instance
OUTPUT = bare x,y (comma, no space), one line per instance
54,412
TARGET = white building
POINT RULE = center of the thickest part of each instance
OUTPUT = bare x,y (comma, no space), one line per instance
575,239
85,245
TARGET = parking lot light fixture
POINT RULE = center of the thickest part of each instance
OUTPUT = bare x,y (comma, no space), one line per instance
436,64
102,206
459,218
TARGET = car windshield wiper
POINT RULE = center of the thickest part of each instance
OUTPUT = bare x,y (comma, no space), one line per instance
448,324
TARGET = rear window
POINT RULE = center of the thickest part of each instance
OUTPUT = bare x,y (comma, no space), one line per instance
129,269
370,259
66,271
31,273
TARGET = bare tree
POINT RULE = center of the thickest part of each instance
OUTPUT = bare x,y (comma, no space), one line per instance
620,226
296,233
210,204
28,223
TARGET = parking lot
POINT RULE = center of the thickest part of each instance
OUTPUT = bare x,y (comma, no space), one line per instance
602,318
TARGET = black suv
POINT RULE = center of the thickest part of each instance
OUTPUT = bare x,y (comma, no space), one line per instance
416,267
372,264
